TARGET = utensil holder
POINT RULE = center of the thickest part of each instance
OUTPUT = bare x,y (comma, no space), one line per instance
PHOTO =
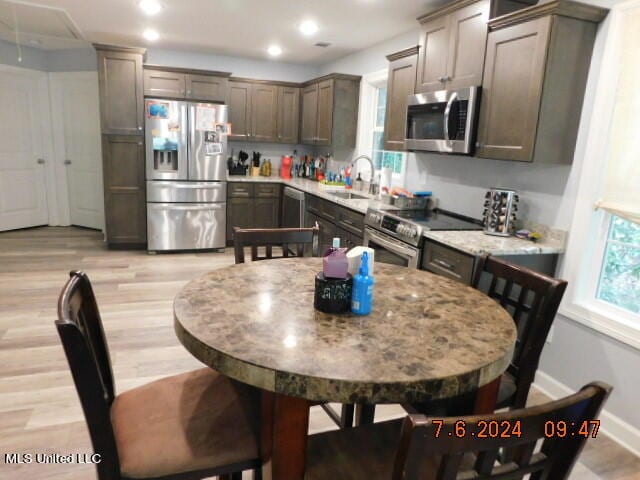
499,216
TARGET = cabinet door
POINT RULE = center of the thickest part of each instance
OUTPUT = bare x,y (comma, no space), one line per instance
264,112
324,127
207,88
467,45
121,94
327,231
239,214
309,117
266,212
240,110
162,84
432,57
124,189
288,114
512,87
400,84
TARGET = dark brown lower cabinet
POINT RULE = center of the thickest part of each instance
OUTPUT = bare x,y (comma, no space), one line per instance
124,190
252,205
327,231
348,239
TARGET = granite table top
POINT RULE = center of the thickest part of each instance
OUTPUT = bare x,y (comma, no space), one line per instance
427,337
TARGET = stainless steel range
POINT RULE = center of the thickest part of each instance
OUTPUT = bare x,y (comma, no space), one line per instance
397,235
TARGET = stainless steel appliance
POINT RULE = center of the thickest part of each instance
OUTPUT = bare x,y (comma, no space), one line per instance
186,175
397,235
499,216
293,208
443,121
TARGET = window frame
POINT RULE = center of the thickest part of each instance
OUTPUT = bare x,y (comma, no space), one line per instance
367,116
589,230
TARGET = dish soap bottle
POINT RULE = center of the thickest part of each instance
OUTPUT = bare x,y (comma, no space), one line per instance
362,296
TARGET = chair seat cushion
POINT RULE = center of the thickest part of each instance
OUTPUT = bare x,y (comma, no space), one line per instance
193,421
368,453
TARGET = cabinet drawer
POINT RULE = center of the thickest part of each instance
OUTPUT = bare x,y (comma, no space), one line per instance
314,204
240,190
268,190
351,221
447,262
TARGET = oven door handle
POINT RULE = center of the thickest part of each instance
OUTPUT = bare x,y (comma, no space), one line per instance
392,246
447,112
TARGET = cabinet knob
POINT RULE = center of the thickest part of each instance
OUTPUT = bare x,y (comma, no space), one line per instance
139,127
67,162
40,161
188,92
442,79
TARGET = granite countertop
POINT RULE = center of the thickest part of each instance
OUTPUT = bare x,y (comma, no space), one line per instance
427,337
316,188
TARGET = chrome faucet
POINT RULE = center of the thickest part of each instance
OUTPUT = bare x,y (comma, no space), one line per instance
372,185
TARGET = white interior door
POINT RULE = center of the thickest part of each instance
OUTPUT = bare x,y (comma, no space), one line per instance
23,196
77,137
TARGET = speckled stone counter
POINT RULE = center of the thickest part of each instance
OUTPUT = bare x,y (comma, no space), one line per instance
478,243
427,337
315,188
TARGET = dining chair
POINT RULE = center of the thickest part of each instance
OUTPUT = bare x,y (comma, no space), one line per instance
184,427
291,240
546,440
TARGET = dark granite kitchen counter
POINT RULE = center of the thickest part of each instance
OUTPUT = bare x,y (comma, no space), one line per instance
427,337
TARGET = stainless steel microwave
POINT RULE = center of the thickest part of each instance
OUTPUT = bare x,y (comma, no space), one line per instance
443,121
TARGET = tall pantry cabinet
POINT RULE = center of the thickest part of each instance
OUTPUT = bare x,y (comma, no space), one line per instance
120,77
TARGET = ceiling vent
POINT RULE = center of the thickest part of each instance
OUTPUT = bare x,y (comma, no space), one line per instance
40,26
322,44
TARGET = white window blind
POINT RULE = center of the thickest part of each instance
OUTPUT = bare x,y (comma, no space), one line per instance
621,191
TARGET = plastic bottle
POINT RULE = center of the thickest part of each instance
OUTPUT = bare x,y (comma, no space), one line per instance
334,247
362,292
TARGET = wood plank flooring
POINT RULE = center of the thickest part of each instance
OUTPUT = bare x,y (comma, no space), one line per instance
39,408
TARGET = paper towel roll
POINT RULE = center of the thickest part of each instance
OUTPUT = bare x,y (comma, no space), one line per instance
354,258
385,178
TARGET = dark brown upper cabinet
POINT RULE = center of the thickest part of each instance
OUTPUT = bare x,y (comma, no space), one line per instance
181,83
210,88
288,114
309,116
240,110
400,84
160,83
264,112
121,94
330,111
534,82
452,46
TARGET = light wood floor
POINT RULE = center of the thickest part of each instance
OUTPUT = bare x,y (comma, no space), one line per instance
39,409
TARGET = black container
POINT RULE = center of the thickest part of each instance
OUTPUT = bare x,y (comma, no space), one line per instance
238,170
333,295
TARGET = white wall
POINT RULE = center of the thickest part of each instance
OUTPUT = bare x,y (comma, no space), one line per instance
32,58
239,67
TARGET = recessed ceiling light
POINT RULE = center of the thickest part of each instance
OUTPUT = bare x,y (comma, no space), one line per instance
150,7
150,34
308,27
274,50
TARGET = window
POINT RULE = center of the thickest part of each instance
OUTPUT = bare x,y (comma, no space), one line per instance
620,275
382,158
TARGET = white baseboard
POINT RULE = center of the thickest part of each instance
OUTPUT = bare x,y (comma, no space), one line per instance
626,435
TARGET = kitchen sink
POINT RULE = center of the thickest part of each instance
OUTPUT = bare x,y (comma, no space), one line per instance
349,195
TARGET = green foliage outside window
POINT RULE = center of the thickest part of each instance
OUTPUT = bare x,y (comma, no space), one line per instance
620,275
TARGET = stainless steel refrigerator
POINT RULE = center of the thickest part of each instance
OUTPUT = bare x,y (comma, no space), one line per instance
186,146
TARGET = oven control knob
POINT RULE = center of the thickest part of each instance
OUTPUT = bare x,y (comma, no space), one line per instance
402,229
412,233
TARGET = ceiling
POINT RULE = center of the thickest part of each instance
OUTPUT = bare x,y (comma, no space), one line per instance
242,28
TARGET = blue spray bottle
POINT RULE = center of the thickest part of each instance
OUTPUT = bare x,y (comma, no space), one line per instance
362,293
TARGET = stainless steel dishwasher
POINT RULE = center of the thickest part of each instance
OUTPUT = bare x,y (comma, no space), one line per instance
293,208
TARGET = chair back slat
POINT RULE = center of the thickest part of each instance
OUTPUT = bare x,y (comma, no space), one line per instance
284,238
80,329
532,299
439,446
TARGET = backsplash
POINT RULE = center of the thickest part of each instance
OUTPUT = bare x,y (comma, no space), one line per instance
460,183
272,151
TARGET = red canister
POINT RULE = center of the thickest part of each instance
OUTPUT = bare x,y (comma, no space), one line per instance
285,166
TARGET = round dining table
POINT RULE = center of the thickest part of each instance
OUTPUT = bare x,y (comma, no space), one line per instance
426,338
